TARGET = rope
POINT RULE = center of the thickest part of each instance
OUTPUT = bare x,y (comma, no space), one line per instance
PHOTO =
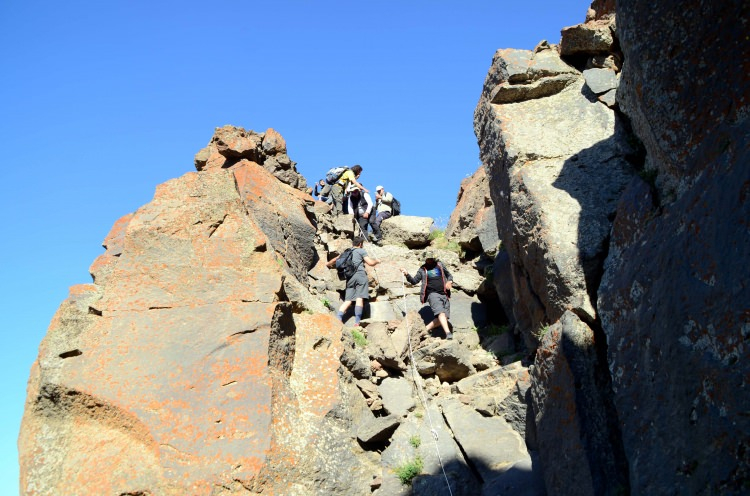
420,391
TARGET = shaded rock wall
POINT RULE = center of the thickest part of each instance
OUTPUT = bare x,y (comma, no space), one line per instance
674,298
620,187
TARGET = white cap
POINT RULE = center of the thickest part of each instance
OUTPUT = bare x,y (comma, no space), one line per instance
378,188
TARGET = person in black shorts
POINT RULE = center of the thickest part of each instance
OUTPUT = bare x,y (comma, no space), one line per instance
435,290
357,286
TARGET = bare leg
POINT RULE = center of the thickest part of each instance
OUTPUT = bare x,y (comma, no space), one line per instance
443,323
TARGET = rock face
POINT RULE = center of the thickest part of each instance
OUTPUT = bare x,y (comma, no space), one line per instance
205,359
674,298
231,144
621,198
178,371
473,221
555,176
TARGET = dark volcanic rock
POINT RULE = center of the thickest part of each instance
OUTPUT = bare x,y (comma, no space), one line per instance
676,289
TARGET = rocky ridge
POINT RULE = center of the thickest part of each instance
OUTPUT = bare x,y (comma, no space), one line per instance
204,357
624,227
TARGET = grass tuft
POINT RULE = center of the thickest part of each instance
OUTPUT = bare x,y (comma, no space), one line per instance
407,471
359,338
439,241
415,441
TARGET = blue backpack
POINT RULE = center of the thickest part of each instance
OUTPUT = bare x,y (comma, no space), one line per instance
334,174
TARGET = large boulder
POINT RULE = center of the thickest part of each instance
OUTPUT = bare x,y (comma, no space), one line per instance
231,144
556,167
675,291
408,230
473,222
571,404
182,369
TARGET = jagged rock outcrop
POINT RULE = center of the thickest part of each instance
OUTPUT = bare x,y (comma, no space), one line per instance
181,370
621,198
230,145
473,222
205,359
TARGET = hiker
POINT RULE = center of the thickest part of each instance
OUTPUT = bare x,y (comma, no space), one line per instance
436,286
317,192
383,210
356,285
349,176
361,207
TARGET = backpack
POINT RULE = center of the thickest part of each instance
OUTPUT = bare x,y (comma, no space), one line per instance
334,174
345,265
395,207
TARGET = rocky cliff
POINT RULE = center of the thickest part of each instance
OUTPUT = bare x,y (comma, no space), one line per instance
617,164
600,305
204,357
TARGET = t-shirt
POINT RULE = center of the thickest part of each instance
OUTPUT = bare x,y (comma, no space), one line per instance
435,280
346,178
358,255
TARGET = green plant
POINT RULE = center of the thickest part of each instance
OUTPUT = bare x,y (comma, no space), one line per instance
438,240
359,338
419,414
326,303
542,332
415,441
407,471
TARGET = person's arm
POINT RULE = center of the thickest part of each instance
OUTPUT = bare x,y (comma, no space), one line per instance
371,261
358,184
368,207
412,279
448,278
330,264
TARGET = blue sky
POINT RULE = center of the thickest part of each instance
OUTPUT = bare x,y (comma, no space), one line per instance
102,101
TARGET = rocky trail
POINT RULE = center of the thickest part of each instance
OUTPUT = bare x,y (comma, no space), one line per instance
434,402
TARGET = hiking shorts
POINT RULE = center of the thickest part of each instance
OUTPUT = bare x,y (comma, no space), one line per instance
357,287
439,303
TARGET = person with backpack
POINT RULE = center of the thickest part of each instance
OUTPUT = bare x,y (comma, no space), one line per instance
361,207
348,177
351,265
436,285
317,192
383,210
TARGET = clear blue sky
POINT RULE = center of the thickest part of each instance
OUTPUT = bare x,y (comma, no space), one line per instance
100,101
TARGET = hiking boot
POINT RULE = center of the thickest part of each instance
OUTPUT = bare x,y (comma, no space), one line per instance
449,336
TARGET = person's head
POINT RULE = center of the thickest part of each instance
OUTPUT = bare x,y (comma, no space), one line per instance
352,190
379,189
322,182
358,241
357,170
430,257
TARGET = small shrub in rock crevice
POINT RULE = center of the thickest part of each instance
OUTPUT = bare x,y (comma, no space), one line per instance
415,441
359,338
407,471
439,241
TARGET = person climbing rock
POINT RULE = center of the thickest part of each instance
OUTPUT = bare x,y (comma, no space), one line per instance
383,211
435,290
318,191
357,283
361,206
339,188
